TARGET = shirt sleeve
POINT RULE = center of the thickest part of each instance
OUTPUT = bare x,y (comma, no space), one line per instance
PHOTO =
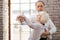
52,26
32,25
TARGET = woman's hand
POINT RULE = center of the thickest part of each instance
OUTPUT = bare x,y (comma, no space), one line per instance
38,18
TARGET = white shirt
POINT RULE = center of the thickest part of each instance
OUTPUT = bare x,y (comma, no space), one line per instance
38,29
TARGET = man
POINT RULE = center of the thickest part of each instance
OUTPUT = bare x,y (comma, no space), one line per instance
51,27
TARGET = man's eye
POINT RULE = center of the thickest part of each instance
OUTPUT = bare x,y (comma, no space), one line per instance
41,6
37,6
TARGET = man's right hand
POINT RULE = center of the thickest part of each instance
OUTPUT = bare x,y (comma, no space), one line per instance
21,18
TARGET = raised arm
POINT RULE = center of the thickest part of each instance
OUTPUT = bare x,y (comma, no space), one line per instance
32,25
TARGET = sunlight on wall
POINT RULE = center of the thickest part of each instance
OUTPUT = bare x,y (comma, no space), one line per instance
5,20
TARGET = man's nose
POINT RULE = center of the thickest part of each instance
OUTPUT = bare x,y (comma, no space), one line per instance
40,7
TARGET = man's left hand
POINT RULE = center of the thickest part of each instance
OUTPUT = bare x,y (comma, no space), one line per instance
46,33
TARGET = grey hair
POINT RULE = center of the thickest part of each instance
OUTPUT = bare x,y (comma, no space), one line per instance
40,1
44,17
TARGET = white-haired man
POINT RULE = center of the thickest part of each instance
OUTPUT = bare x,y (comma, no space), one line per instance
47,24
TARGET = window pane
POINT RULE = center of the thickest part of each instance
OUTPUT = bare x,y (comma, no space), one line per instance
34,1
15,11
24,1
27,13
25,35
25,28
24,7
15,32
15,7
15,1
33,6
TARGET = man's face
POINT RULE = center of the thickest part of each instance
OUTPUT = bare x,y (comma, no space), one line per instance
39,6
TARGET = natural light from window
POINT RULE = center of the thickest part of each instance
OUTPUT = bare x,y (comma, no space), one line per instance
18,7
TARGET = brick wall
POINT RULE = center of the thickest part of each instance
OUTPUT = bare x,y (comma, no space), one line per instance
5,20
53,8
1,20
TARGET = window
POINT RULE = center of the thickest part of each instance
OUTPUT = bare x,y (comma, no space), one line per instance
18,7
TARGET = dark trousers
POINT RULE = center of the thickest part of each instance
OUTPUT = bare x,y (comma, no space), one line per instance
43,38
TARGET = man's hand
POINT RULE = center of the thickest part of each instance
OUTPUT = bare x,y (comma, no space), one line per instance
21,18
46,33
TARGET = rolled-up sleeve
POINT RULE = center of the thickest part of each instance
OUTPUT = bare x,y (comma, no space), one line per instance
52,26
